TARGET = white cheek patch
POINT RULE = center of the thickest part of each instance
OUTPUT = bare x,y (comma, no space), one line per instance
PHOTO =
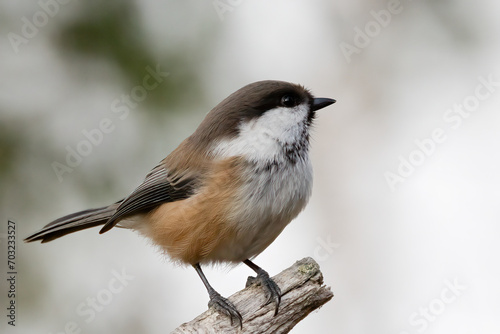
262,138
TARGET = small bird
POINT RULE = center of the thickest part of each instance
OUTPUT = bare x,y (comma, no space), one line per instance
227,191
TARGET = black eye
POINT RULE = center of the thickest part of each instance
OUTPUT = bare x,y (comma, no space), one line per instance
288,101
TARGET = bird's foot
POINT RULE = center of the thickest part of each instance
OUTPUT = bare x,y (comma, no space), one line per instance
273,292
224,306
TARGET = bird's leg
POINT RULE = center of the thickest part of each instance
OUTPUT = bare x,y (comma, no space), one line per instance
273,291
218,302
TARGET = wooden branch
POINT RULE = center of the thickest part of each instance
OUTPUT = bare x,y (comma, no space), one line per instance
302,292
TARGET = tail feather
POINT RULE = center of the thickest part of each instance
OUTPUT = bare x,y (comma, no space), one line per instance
73,222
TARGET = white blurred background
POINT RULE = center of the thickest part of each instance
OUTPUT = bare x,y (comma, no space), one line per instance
415,254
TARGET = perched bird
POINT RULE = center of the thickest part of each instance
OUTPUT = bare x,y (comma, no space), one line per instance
227,191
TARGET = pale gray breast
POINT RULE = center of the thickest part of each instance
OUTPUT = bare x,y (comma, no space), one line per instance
270,198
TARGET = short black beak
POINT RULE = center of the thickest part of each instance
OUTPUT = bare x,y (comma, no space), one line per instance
321,102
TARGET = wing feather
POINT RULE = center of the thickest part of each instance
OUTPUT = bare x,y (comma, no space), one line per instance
158,188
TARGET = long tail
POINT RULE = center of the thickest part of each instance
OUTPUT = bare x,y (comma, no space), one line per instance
74,222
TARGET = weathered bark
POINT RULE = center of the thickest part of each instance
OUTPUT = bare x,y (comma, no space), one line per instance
302,292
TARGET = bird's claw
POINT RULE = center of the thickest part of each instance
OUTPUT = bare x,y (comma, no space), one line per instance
224,306
273,292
